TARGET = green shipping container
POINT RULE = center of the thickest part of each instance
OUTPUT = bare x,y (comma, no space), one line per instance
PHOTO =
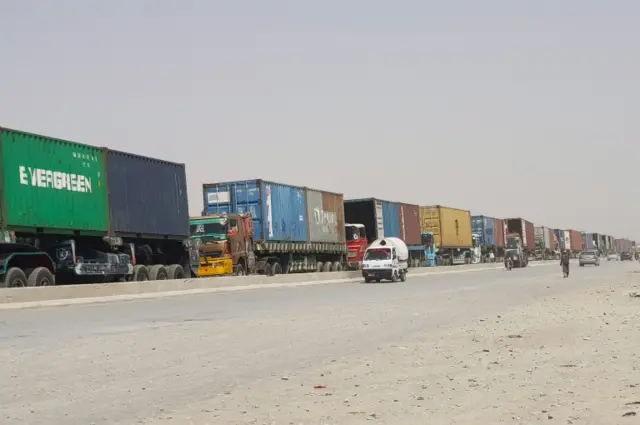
52,184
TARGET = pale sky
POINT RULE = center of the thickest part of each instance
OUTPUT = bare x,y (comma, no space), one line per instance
507,108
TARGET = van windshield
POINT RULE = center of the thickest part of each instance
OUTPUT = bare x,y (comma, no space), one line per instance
378,254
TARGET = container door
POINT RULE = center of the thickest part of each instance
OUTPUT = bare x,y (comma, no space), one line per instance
524,233
379,219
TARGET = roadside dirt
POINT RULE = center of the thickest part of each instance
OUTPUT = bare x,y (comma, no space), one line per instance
573,359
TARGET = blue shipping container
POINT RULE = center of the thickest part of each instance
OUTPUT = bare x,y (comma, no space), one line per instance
483,228
590,240
279,211
391,219
147,196
560,235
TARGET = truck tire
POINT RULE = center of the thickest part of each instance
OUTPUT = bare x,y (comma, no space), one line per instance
140,273
268,270
326,267
157,272
394,277
337,266
240,271
367,280
14,278
319,266
277,268
41,276
403,276
175,271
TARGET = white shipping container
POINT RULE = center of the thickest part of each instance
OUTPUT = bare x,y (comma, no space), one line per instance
567,240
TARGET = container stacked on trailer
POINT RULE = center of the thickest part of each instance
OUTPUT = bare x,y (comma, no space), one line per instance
486,231
545,243
295,229
76,213
450,230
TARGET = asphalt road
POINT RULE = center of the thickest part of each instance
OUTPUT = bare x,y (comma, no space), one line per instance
120,363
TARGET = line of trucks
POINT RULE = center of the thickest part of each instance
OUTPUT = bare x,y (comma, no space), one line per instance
75,213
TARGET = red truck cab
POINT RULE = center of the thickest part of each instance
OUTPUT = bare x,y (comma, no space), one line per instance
356,237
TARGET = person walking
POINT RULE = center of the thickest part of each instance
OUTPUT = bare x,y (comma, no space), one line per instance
564,262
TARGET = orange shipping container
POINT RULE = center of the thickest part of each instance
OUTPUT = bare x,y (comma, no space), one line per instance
451,227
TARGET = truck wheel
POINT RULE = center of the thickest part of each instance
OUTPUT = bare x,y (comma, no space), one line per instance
14,278
40,276
240,270
175,271
367,280
337,266
157,272
277,268
140,273
394,277
403,276
319,266
326,267
268,270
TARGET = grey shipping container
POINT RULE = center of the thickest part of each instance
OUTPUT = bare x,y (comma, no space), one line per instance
543,237
147,196
326,216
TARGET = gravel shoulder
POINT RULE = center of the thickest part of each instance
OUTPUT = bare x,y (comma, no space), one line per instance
569,359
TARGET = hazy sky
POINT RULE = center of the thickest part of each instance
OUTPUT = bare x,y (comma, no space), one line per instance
507,108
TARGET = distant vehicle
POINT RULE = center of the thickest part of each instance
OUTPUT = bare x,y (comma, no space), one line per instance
626,256
612,256
589,257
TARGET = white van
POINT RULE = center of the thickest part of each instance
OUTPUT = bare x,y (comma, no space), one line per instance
386,258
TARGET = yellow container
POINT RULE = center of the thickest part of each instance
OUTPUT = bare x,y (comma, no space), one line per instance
451,227
210,266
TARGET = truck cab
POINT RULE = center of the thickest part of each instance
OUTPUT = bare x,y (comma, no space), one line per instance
429,249
515,251
225,244
356,237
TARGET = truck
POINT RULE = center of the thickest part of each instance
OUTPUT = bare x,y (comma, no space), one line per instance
224,243
369,219
295,229
520,240
452,237
485,232
386,258
545,243
75,213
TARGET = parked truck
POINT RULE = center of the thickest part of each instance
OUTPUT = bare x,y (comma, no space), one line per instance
74,213
577,242
295,229
520,240
485,232
370,219
452,237
545,243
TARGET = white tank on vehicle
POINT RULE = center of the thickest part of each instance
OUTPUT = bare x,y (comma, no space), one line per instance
397,243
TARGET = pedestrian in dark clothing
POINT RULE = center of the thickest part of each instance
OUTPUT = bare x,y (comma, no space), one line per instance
564,262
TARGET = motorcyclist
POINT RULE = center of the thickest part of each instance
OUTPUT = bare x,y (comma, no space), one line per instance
508,262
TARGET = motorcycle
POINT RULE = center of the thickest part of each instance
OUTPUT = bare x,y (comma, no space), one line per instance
508,263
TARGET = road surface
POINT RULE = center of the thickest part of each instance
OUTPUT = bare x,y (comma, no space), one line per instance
130,362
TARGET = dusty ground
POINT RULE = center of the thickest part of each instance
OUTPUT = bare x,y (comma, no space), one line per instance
574,359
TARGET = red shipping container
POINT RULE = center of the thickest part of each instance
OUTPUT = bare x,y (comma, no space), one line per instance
577,241
409,216
531,237
499,229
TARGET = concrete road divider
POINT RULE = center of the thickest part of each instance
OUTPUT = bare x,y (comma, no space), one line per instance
46,293
11,298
